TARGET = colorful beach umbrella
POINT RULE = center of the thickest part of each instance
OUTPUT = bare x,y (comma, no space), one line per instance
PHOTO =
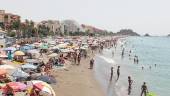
10,49
43,87
53,55
3,72
34,51
18,73
19,53
6,67
17,86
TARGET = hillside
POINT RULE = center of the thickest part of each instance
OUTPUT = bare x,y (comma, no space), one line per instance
127,32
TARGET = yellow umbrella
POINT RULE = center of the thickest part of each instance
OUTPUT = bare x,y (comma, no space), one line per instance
19,53
71,47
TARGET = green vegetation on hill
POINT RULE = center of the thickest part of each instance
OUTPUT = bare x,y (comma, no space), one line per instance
127,32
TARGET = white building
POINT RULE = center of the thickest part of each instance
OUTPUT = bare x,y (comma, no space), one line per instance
53,25
71,26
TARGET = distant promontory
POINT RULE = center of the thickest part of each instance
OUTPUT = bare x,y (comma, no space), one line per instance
147,35
127,32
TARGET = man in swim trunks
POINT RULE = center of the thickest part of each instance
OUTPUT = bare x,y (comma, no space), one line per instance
144,89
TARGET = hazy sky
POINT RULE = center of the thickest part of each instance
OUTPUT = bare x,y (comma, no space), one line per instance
143,16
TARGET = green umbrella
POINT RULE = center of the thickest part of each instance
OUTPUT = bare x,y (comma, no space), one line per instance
44,46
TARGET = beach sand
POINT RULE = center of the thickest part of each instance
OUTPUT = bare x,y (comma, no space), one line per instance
77,81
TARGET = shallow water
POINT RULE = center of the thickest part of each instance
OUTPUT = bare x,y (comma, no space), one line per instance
151,50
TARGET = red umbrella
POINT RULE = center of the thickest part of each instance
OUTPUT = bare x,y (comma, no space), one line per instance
17,86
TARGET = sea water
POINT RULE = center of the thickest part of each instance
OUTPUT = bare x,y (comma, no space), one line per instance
151,51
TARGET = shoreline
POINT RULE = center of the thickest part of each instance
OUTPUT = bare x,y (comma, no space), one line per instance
77,80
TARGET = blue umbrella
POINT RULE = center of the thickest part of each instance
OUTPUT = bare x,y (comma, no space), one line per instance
20,74
25,48
47,79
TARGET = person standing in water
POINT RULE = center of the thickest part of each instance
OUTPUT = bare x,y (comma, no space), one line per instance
91,63
144,89
118,73
130,81
142,67
155,65
111,74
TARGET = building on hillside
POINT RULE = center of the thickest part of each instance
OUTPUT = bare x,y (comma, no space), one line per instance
7,18
71,26
53,25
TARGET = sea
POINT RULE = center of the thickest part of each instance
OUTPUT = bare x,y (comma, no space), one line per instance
150,51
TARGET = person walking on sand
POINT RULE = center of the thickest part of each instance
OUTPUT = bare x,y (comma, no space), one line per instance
144,89
130,81
111,74
118,73
79,59
91,63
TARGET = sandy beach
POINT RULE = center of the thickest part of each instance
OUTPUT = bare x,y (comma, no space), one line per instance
77,81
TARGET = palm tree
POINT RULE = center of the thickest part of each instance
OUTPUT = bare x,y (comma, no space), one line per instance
16,26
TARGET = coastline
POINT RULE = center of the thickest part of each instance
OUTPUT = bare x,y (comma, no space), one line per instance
77,81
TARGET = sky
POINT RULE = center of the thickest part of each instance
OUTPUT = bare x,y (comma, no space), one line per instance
143,16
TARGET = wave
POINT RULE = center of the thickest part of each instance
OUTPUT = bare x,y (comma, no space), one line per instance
108,60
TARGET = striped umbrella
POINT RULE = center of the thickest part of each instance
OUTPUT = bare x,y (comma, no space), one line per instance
43,87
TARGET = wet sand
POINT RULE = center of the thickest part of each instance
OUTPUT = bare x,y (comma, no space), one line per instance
77,81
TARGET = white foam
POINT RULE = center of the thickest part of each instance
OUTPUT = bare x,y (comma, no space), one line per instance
122,91
108,60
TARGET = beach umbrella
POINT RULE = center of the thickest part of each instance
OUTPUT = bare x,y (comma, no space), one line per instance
36,43
19,53
17,86
55,47
7,67
44,47
62,45
3,56
34,51
53,55
3,72
16,45
25,48
47,79
18,73
29,66
10,49
32,61
43,87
